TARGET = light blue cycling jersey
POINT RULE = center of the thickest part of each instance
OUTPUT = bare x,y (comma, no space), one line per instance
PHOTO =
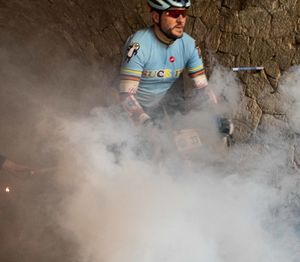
156,65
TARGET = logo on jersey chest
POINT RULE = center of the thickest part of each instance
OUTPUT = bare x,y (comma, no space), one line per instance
172,59
162,73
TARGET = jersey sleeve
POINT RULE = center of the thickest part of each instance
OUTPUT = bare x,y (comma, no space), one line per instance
195,67
132,64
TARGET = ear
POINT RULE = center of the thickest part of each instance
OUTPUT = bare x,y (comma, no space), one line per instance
155,17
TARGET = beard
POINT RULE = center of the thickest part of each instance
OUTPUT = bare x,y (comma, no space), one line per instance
171,35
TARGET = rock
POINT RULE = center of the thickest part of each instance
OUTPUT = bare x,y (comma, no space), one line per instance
234,44
232,4
257,84
199,30
285,52
229,21
270,103
282,24
199,7
273,72
271,123
213,39
247,119
255,22
211,16
272,69
261,50
296,59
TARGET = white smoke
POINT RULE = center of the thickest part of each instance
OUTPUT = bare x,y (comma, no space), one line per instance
240,205
132,197
226,86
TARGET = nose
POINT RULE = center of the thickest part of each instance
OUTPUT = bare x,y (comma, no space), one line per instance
180,18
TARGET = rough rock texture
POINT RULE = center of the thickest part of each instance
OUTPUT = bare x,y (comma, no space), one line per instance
236,33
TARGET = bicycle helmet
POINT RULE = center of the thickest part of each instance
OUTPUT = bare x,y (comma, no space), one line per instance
163,5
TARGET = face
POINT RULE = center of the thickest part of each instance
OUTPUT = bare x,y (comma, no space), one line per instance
172,22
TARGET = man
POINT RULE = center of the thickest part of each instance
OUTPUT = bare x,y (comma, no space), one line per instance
155,58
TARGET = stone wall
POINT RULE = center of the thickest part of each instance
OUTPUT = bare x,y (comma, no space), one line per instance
252,33
231,32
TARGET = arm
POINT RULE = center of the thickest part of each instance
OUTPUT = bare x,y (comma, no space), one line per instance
11,166
128,89
201,88
133,108
201,92
131,71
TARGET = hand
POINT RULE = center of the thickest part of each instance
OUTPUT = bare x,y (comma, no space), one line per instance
225,125
150,123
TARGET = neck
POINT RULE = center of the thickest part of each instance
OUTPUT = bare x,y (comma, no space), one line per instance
161,36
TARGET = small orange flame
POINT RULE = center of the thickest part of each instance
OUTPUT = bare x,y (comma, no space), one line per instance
7,189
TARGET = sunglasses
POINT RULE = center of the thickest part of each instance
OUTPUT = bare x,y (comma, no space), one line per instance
176,13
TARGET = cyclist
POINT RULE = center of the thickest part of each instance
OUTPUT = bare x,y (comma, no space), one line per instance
155,57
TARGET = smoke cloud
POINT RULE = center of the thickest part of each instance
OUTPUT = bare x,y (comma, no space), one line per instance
116,192
236,205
